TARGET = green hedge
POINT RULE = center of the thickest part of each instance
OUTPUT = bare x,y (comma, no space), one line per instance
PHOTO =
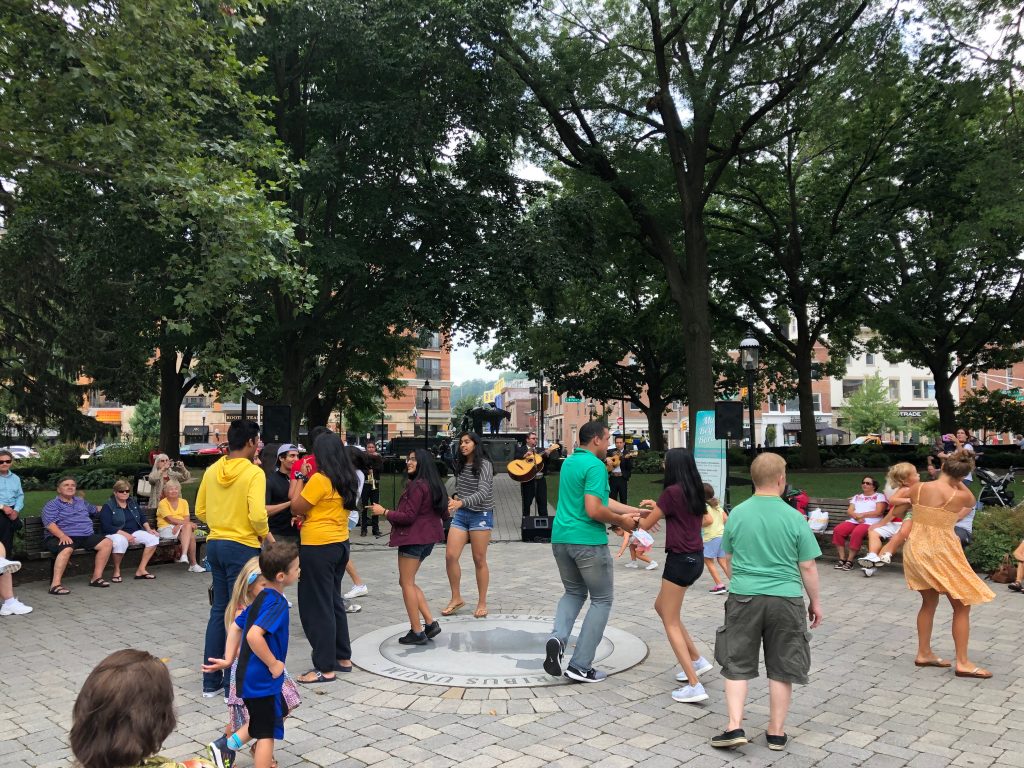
996,533
36,477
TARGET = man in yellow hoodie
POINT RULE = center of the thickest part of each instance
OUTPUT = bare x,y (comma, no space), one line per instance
232,501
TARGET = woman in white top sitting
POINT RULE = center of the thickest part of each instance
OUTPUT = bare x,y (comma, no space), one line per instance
866,509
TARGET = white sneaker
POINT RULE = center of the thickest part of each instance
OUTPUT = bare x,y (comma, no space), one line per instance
690,694
869,571
359,590
700,666
9,566
868,561
632,564
14,607
197,568
652,566
352,608
885,559
182,559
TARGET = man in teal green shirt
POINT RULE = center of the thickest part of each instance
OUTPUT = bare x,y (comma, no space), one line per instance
579,542
771,550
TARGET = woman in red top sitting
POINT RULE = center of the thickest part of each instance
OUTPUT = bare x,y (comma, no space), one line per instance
416,526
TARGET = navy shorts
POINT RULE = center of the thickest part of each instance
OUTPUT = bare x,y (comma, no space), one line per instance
416,551
266,716
683,568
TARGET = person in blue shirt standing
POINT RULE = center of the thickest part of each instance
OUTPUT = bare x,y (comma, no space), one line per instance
259,677
12,499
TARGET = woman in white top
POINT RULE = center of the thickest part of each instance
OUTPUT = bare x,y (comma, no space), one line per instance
866,509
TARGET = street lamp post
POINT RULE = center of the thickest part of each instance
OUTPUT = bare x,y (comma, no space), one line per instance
426,389
750,352
382,431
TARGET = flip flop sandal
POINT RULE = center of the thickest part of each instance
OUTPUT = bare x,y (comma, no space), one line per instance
839,566
116,579
345,670
451,609
101,583
60,590
1014,586
977,673
848,565
318,679
942,663
480,613
148,576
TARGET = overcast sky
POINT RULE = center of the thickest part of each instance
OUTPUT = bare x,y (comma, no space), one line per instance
464,364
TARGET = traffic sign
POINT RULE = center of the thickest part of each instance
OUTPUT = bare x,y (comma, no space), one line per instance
620,421
574,399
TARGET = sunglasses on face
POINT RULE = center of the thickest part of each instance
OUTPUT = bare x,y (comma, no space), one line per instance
5,461
120,491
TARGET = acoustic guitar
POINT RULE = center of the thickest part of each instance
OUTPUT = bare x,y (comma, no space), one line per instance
525,469
613,462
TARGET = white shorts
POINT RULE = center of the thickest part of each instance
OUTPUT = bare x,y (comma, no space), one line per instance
888,530
167,533
121,544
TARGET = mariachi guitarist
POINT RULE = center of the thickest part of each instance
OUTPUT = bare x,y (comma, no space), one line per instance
619,471
538,487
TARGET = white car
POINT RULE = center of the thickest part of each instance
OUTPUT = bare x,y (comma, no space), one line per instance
21,452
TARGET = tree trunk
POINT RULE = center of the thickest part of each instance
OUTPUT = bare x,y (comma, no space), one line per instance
170,402
317,412
944,397
809,451
655,430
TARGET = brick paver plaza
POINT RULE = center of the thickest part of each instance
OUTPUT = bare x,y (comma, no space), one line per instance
866,705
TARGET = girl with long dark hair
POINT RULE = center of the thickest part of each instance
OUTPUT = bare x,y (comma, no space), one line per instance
472,508
323,502
416,526
682,506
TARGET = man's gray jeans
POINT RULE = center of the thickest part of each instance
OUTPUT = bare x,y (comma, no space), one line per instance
584,570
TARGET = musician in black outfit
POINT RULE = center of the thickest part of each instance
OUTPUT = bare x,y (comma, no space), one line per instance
538,487
618,479
371,488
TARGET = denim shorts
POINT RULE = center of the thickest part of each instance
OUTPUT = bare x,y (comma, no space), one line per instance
713,548
469,520
416,551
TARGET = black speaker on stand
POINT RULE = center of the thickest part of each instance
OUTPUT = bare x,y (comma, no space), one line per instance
729,420
277,424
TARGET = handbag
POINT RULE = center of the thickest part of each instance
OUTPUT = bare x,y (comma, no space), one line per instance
1005,573
290,693
289,689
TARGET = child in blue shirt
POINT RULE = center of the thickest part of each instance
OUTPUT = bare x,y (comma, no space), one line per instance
263,627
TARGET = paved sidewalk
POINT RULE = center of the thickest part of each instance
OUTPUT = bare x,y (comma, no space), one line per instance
866,705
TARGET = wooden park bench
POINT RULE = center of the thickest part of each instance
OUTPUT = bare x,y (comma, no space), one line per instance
837,509
32,539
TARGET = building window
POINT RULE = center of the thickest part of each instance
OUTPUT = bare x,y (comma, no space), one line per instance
894,389
924,389
793,405
773,404
851,385
196,401
869,359
99,399
435,400
633,406
429,339
428,368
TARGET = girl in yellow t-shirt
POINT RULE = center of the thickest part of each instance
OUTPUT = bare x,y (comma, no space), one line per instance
712,529
174,521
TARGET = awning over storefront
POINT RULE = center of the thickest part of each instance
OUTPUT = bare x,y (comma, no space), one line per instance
108,416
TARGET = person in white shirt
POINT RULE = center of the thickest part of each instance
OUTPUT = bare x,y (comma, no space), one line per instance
866,509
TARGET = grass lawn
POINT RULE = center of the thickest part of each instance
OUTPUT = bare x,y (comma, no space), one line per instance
839,485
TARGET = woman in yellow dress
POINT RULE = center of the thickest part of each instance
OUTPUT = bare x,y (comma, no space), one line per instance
934,563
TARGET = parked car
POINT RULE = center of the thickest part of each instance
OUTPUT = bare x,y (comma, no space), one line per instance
199,449
97,453
22,452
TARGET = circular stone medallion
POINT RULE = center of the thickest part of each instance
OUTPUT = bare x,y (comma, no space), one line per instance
500,651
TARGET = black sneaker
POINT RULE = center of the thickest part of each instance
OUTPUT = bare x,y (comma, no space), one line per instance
777,743
729,739
220,754
413,638
432,630
590,676
553,652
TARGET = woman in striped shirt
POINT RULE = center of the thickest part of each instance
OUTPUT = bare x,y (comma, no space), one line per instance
472,510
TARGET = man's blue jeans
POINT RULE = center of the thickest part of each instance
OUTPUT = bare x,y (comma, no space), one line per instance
227,558
584,569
